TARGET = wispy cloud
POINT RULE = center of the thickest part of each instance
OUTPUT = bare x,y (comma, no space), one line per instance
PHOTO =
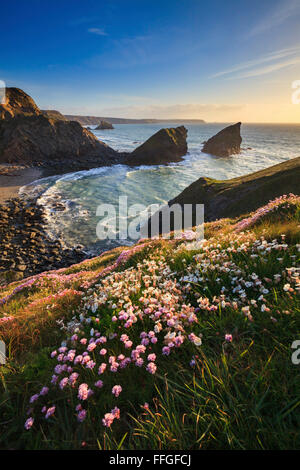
261,65
278,15
97,31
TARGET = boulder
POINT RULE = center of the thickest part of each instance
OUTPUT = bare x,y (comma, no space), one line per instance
226,142
104,125
167,145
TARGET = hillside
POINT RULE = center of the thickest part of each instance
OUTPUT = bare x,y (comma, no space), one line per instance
237,196
169,344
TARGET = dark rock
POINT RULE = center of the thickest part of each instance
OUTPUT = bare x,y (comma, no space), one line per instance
29,136
167,145
226,142
104,125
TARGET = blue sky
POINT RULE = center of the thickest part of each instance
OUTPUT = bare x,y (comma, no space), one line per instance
217,60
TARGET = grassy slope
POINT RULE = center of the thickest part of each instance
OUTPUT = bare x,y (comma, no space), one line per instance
239,394
231,198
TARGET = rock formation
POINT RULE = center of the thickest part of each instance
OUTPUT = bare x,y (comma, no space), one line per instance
224,143
29,136
104,125
167,145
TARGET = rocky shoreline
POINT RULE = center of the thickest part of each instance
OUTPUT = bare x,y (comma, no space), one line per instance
25,247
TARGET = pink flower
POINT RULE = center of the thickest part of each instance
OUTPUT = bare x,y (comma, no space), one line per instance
73,377
83,392
81,416
116,390
33,398
108,419
63,383
29,423
116,412
50,412
228,338
151,367
99,384
102,368
139,362
151,357
91,347
103,351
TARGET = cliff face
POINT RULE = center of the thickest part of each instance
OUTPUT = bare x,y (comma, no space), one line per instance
28,136
226,142
167,145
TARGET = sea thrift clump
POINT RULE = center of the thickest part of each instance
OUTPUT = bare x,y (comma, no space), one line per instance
136,318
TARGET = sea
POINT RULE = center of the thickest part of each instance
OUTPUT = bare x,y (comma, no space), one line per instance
71,200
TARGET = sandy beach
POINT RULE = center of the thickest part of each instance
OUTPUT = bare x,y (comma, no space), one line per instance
13,177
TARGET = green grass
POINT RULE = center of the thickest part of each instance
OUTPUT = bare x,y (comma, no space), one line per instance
242,394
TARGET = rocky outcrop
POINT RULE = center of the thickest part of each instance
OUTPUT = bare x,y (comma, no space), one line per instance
226,142
167,145
29,136
17,103
238,196
104,125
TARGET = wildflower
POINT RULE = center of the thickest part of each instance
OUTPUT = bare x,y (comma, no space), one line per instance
44,391
29,422
63,383
83,392
228,338
151,357
116,390
81,416
50,412
33,398
99,384
102,368
108,419
116,412
151,367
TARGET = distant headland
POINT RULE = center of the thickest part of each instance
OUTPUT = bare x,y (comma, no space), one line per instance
94,120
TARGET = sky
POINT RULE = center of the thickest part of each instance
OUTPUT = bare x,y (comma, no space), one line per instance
221,61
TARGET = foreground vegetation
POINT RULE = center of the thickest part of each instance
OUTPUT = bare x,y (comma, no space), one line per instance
172,344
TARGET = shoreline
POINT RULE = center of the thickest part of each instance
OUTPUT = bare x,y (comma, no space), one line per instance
13,177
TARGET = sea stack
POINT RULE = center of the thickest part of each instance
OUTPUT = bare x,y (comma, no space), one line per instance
167,145
226,142
104,125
